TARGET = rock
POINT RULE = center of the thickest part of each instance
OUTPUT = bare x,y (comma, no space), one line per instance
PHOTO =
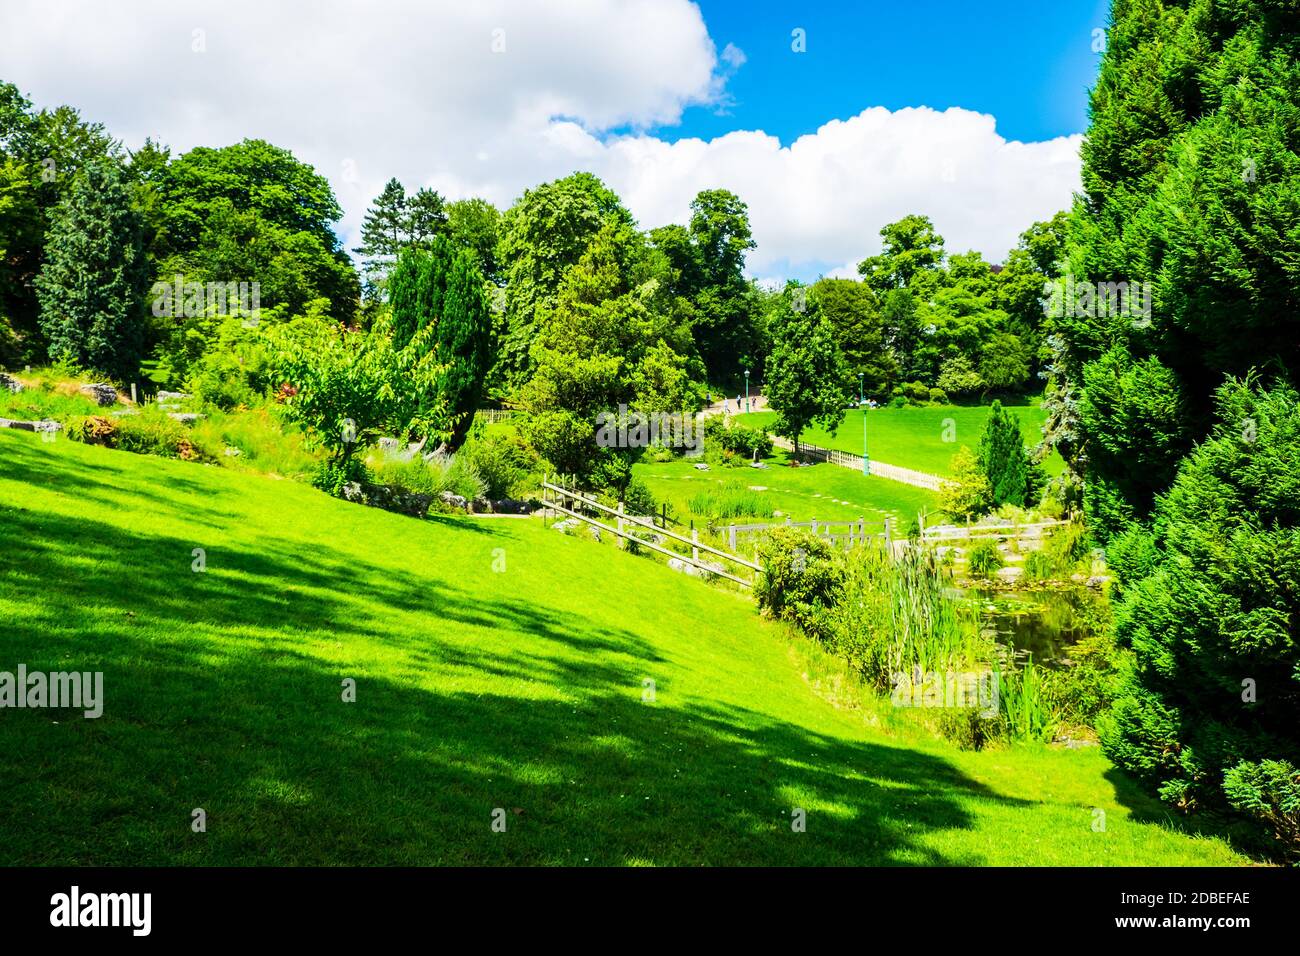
510,506
567,526
758,487
44,425
232,452
453,499
185,418
1010,573
701,467
124,411
101,392
1097,581
595,533
173,396
9,383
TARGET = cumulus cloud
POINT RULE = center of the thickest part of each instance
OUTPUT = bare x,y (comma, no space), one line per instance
488,98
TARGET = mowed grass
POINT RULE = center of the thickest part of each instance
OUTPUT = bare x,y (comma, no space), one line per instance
520,688
822,491
923,438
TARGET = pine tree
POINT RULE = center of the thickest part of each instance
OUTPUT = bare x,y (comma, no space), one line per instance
442,285
426,217
1003,458
93,283
384,232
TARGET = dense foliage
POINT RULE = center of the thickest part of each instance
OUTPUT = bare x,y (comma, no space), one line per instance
92,284
1210,607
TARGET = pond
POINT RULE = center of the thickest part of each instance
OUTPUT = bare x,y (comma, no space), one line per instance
1042,623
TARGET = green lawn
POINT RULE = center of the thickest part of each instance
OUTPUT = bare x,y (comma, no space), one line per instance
923,438
476,689
823,491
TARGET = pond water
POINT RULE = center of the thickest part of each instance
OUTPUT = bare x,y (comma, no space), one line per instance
1044,624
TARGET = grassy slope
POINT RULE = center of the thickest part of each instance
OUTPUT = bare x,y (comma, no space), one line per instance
914,437
476,690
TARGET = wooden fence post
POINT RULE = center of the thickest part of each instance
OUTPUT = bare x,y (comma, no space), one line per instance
695,539
731,536
621,541
889,538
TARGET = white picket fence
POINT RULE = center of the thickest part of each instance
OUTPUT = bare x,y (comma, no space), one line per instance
880,469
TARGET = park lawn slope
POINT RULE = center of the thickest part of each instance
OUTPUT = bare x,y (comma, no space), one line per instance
823,491
497,664
922,438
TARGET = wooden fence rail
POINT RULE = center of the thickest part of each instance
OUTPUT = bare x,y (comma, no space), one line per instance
623,519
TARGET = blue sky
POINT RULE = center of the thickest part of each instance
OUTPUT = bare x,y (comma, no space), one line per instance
970,114
1029,64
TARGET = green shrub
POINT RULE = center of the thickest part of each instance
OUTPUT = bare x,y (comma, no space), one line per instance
509,467
802,579
334,474
733,441
638,500
147,433
1268,791
1212,623
1084,690
426,476
153,433
984,559
91,430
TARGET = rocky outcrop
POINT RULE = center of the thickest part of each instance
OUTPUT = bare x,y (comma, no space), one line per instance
103,393
9,383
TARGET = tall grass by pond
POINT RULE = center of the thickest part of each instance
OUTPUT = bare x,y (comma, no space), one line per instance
898,622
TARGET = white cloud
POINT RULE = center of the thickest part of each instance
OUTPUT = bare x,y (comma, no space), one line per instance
414,90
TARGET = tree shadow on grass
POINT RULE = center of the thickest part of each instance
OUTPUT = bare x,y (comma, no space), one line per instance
288,773
218,697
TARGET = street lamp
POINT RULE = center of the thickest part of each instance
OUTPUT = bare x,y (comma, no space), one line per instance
747,390
862,409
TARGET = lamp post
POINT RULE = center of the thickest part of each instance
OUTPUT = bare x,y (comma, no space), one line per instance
746,391
862,409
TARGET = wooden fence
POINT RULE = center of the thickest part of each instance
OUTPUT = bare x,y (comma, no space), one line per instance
573,503
880,469
494,415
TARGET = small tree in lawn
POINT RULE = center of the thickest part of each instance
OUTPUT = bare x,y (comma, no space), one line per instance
350,387
1003,458
969,493
92,286
805,372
